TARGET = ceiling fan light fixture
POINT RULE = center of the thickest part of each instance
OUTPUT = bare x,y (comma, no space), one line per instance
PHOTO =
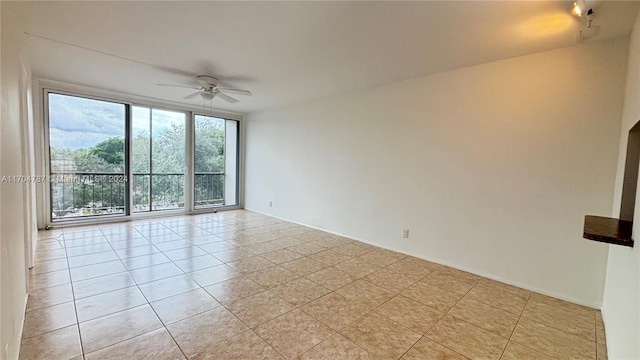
579,8
207,95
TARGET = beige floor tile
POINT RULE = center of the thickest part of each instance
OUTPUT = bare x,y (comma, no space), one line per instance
331,241
145,261
48,296
155,272
414,266
173,245
331,278
49,318
273,276
101,285
352,249
432,296
293,333
197,263
382,257
128,243
88,249
250,264
380,336
304,266
467,339
552,342
285,242
335,310
164,288
366,293
184,305
450,282
427,349
130,252
458,273
47,279
276,266
97,270
259,308
515,351
84,260
575,309
281,256
199,332
214,274
601,351
357,267
485,316
245,346
48,266
58,344
499,298
211,243
234,289
300,291
330,257
410,313
48,255
184,253
154,345
85,242
231,255
336,347
506,287
50,244
306,249
392,279
576,321
111,329
108,303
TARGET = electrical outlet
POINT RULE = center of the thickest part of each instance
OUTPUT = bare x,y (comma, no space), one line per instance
405,233
270,203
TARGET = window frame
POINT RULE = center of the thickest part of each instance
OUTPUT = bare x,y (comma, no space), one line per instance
45,87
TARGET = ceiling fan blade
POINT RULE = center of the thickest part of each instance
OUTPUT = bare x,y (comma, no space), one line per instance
234,91
226,97
180,86
191,96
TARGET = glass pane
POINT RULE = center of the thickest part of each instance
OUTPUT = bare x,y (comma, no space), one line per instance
167,159
86,147
215,161
141,157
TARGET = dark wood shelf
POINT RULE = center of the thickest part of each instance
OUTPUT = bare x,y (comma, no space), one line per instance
608,230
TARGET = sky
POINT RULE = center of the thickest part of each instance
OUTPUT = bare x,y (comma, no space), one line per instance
76,122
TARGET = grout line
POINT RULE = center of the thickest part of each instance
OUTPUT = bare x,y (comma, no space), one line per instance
143,295
73,293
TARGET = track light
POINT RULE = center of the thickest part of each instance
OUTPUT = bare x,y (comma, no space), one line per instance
579,8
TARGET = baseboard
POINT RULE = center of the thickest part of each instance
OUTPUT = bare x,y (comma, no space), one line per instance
455,266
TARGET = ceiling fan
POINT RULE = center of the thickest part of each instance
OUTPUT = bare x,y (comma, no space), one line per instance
209,88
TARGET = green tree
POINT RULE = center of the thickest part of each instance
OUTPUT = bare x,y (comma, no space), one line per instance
110,150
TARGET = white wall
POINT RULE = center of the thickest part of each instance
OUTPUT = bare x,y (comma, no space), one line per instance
621,307
13,285
491,167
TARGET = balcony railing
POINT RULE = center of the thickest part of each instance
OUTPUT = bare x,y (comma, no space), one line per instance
87,194
209,189
90,194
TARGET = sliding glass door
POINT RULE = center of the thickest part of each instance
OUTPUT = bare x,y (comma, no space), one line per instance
111,158
86,157
158,158
215,161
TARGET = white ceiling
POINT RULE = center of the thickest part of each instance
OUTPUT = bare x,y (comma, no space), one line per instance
290,52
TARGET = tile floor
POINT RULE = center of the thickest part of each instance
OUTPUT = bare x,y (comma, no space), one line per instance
238,285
